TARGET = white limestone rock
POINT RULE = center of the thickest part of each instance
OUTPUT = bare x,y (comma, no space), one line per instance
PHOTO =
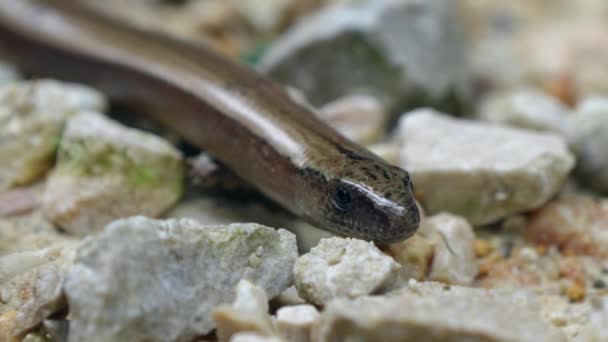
248,313
343,267
434,312
454,260
106,171
441,250
589,140
395,50
481,171
294,323
32,116
150,280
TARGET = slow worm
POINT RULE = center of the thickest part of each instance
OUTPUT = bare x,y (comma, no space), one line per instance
236,115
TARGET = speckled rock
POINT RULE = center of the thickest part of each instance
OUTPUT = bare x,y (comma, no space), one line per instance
527,108
8,74
360,118
127,281
454,259
214,211
31,287
589,140
481,171
294,323
33,114
248,313
400,51
576,225
106,171
340,267
432,312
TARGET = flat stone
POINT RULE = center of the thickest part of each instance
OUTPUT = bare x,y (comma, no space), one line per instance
434,312
576,225
150,280
526,108
294,323
248,313
400,51
106,171
33,114
589,140
340,267
481,171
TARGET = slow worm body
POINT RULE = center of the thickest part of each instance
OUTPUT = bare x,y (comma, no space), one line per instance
238,116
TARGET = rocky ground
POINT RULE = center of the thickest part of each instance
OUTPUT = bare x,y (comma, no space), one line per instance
499,111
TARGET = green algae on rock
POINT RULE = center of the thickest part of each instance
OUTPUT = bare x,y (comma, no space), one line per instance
106,171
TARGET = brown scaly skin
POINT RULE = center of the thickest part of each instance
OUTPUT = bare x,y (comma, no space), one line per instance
244,120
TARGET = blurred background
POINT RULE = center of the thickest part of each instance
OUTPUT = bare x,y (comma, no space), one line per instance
485,45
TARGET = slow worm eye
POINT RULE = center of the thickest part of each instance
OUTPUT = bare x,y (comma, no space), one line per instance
342,199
